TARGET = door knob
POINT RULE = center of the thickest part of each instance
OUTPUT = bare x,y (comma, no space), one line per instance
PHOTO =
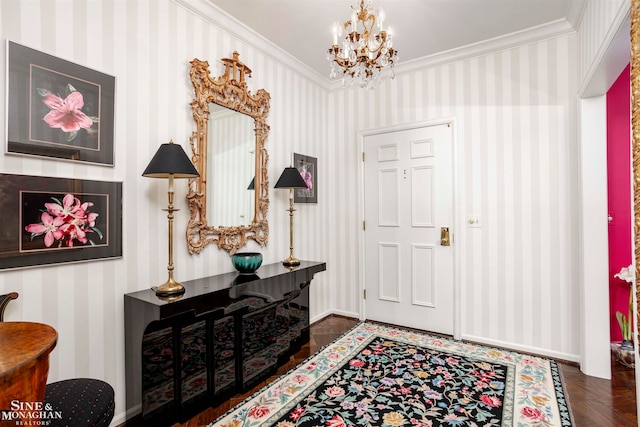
444,236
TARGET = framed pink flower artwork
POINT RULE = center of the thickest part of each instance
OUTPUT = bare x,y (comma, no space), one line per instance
58,109
308,168
58,220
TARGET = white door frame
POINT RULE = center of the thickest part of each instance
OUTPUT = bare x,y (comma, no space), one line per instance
595,354
459,237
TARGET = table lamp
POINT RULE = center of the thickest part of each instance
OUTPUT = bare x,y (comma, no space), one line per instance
170,161
290,179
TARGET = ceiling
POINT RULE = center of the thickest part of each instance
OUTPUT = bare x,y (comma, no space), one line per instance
421,28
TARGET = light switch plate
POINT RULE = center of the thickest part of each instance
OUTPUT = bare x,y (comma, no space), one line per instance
473,221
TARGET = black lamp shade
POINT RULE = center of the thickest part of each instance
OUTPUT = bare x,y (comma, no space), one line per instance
170,159
290,178
252,184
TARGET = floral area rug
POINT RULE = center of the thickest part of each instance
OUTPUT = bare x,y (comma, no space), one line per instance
380,376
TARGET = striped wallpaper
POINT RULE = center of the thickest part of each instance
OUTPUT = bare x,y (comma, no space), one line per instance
147,45
515,112
599,19
515,115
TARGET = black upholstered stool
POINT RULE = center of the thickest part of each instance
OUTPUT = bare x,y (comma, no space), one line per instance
83,402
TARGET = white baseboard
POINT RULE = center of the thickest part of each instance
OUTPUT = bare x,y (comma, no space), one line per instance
336,312
523,348
122,417
481,340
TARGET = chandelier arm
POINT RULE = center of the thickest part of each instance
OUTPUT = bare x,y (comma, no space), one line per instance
344,63
383,37
367,31
371,62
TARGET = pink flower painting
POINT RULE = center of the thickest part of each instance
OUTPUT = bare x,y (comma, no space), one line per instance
307,168
66,223
65,113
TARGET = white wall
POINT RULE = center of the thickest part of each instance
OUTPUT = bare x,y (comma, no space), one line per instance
516,116
147,45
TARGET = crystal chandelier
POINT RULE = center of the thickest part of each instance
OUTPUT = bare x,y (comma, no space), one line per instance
364,57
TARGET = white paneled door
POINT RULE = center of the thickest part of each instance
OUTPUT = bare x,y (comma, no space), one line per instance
408,187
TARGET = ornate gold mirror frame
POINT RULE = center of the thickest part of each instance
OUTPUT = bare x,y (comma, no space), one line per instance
229,91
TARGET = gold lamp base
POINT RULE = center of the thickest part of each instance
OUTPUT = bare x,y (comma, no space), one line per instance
291,261
169,288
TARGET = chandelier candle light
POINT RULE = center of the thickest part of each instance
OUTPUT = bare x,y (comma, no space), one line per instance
363,57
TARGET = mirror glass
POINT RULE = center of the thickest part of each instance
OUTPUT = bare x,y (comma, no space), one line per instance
231,167
228,202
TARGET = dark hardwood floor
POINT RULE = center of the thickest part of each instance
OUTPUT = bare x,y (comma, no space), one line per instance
594,402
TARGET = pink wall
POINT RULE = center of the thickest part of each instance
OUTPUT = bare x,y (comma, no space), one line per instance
619,193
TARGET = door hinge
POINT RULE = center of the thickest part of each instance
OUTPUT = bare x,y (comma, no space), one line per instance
364,225
365,294
363,156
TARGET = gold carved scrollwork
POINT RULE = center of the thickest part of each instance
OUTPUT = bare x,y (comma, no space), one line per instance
635,134
230,91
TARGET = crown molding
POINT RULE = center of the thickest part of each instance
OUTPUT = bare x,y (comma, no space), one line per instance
611,58
520,38
484,47
575,12
222,20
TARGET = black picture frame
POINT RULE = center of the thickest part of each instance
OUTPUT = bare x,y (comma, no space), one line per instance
46,226
59,109
308,168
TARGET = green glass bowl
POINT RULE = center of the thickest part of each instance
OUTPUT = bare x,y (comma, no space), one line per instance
246,262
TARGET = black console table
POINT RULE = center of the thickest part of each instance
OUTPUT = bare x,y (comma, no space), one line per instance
225,334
